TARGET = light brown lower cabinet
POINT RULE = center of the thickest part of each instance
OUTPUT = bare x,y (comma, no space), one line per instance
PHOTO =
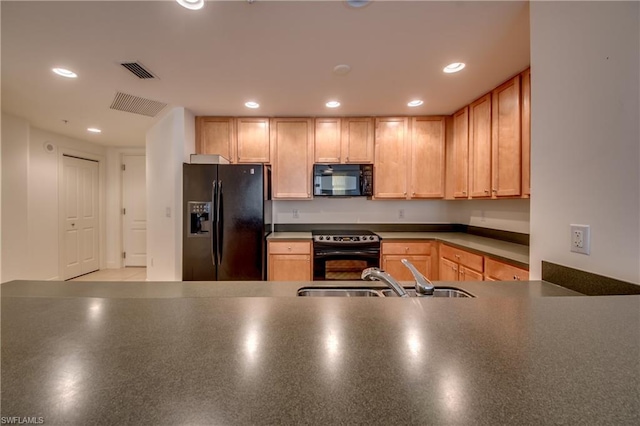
418,253
500,271
459,265
289,261
448,270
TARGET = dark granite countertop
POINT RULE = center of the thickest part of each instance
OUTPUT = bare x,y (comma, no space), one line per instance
517,254
167,358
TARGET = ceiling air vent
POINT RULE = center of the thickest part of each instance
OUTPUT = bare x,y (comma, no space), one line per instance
138,70
136,105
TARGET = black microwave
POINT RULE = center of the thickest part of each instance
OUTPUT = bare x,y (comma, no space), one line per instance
343,180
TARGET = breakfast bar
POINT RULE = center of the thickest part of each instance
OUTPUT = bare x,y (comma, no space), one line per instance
211,353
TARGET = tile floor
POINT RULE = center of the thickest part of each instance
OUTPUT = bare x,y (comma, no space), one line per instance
122,274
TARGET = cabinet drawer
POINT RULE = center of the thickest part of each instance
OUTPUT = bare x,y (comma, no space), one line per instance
290,247
504,272
470,260
412,247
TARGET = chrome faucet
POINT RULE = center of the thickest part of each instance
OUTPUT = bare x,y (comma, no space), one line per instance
424,287
375,274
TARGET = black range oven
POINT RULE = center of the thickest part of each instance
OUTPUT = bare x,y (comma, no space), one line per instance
342,255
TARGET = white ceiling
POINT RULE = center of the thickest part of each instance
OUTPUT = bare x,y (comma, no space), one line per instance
280,54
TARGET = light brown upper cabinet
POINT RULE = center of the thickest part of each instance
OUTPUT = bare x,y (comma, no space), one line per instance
344,140
216,135
253,140
526,133
328,137
292,157
357,140
460,148
427,157
480,147
506,156
391,148
240,140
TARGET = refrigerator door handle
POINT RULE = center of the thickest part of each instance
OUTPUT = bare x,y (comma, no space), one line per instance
214,237
219,227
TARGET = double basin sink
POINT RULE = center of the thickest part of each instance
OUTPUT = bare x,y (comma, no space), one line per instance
374,292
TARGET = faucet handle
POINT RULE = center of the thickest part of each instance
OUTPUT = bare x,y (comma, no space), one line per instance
366,273
423,285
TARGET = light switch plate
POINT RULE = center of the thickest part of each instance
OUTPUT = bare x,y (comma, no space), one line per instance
580,239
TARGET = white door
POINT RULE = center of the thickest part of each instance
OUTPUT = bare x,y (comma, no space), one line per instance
81,249
135,210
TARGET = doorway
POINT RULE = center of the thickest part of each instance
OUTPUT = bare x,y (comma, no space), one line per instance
80,247
134,202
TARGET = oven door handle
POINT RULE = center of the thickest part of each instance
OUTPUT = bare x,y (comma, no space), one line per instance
347,253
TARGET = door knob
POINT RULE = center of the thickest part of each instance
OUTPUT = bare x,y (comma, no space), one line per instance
73,224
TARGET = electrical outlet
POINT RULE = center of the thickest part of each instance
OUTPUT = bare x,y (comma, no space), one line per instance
580,239
296,214
401,214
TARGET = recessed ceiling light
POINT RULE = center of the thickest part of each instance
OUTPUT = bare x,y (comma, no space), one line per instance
358,3
415,103
454,67
341,69
251,104
191,4
94,130
332,104
64,72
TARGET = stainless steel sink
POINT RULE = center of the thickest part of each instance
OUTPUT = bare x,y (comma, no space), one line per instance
371,292
339,292
437,292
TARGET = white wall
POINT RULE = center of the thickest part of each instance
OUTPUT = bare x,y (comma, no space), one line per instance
506,215
30,198
360,210
585,135
43,199
166,147
15,169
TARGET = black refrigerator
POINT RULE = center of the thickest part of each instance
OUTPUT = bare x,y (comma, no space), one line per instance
227,216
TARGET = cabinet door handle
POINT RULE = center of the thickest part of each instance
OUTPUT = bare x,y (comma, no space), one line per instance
486,191
494,190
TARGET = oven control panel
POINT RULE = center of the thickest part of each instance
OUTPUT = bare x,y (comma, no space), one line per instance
345,239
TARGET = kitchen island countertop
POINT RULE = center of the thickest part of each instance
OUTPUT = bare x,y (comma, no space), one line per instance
170,358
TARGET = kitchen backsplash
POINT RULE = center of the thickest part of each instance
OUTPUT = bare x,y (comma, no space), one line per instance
507,215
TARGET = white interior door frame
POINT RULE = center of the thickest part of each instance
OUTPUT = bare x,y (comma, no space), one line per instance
102,178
